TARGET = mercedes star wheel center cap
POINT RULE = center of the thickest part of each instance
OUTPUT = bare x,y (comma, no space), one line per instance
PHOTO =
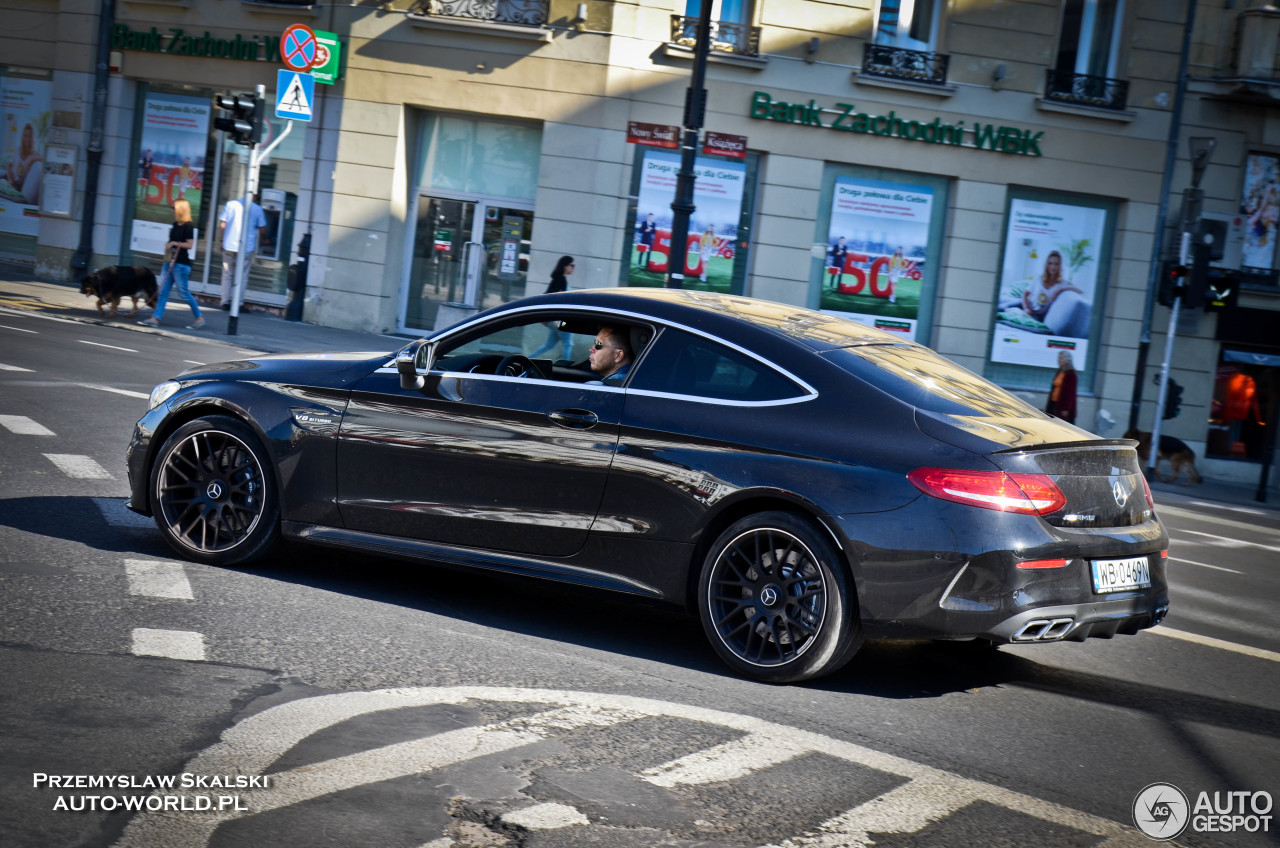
769,595
214,490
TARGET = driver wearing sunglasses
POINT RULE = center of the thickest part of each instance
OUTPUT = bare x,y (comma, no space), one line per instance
609,356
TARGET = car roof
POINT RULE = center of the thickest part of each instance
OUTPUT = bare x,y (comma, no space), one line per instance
709,310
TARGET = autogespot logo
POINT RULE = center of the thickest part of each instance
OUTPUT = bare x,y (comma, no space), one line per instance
1161,811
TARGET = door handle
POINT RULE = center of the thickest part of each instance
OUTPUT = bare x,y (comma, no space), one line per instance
575,419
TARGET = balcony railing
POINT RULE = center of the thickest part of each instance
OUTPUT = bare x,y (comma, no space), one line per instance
1085,90
517,12
881,60
725,36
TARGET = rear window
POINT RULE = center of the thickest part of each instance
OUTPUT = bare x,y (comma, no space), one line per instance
922,378
685,364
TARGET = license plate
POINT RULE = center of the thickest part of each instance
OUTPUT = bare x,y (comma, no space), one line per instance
1118,575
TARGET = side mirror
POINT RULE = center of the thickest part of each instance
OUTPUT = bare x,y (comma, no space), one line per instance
413,363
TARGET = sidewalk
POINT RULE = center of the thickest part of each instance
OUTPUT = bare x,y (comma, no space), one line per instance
255,331
265,333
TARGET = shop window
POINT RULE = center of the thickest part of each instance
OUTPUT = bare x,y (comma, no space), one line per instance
24,134
882,232
718,249
1054,277
1260,208
1242,414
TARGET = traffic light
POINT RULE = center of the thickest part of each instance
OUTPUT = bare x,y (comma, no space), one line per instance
1173,283
245,121
1172,397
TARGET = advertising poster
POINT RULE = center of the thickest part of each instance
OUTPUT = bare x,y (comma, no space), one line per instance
171,157
59,180
27,115
1048,283
875,253
1260,205
713,228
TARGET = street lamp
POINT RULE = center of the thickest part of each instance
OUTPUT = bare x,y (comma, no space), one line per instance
695,112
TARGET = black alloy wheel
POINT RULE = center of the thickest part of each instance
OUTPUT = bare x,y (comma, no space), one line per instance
775,601
212,492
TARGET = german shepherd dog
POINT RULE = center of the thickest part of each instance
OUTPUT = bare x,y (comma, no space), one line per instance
116,282
1180,456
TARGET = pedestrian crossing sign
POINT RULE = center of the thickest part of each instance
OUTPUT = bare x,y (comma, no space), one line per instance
295,93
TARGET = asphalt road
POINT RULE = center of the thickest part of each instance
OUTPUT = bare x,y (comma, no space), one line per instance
402,705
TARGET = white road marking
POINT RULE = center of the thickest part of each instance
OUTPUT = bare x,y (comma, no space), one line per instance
18,329
113,347
731,760
1205,565
76,465
1210,642
158,579
1224,542
251,746
116,514
4,367
546,817
125,392
192,362
1213,519
174,644
20,425
1233,508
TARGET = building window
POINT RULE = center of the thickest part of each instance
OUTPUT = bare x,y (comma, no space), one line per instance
1088,55
519,12
909,24
731,29
904,40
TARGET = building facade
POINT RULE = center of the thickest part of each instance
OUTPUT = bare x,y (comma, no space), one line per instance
991,178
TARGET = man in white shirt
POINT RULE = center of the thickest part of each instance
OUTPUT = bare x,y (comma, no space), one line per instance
230,229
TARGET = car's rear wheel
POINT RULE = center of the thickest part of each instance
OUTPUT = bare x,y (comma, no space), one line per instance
775,600
213,493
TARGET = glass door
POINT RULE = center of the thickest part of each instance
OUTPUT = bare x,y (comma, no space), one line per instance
468,253
441,253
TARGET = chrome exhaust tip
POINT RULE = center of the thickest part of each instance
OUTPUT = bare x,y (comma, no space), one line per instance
1044,630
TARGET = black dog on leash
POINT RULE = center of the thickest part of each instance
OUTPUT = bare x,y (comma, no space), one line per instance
116,282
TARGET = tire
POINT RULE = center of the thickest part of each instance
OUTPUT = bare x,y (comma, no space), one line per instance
213,493
774,600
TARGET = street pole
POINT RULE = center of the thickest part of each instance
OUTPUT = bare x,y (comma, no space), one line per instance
695,113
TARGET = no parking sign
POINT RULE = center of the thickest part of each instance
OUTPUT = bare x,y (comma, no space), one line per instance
299,49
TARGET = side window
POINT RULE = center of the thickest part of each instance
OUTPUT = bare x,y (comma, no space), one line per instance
684,364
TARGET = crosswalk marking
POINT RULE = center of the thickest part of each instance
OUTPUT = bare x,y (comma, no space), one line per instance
157,579
1205,565
926,795
729,761
23,426
78,466
114,390
546,817
174,644
4,367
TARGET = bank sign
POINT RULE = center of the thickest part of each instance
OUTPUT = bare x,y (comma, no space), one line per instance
844,117
180,42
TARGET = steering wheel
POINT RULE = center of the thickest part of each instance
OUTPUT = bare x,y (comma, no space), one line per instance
517,365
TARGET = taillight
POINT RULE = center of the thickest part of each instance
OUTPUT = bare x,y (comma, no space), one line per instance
1146,487
1042,563
1030,494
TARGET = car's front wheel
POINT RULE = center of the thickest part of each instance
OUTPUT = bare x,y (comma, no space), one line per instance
775,600
213,494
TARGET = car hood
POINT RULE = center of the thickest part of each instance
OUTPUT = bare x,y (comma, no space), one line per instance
334,369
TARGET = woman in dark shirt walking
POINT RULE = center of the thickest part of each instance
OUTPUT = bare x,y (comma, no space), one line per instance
559,283
181,240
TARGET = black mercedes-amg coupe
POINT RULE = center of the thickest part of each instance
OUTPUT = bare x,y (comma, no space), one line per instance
801,481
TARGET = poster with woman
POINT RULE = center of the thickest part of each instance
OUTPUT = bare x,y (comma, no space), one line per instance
27,118
171,155
1260,206
876,248
1048,283
713,228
